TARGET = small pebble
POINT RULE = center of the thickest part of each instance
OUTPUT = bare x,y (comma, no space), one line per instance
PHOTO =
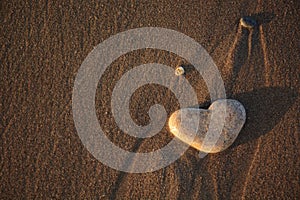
248,22
179,71
185,121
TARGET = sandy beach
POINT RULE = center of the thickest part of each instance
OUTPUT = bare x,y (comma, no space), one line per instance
43,45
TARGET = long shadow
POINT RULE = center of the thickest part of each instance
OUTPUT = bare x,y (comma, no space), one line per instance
264,107
239,56
244,47
122,175
263,17
191,170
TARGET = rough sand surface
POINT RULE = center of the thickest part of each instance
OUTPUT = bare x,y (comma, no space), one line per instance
42,48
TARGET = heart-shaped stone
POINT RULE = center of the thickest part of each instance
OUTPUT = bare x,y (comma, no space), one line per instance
196,122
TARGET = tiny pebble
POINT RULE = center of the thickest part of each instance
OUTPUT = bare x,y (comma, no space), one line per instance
185,121
248,22
179,71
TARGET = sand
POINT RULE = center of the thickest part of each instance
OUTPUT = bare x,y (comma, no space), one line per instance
42,48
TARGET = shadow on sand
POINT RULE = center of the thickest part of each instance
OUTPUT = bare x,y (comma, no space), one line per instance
265,107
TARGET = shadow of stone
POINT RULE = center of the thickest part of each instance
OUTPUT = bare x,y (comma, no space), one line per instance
193,176
239,58
247,48
263,17
264,107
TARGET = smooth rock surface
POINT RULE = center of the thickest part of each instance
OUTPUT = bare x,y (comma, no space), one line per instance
185,122
179,71
248,22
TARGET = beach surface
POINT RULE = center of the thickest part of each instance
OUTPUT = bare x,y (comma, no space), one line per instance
43,45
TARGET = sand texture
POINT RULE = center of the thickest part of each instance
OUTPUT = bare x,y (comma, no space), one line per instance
43,44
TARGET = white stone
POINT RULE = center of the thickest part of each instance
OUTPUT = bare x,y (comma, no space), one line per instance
248,22
187,121
179,71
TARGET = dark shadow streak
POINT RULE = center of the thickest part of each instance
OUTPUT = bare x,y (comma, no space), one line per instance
239,57
263,17
188,174
122,174
264,107
241,53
